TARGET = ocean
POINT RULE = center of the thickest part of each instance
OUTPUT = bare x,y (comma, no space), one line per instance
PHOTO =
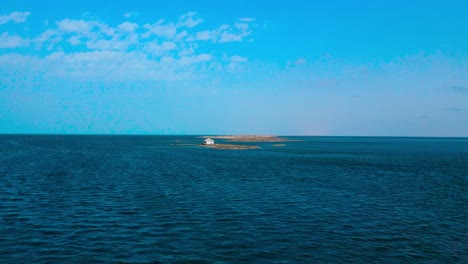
139,199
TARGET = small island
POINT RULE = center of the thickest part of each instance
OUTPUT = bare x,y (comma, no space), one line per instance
209,141
249,138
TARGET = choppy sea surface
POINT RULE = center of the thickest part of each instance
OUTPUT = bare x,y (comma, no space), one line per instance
137,199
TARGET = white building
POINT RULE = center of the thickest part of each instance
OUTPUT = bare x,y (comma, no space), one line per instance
208,141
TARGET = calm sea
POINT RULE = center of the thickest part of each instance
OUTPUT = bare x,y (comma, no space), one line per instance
137,199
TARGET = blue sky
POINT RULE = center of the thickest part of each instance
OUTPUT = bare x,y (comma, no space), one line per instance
377,68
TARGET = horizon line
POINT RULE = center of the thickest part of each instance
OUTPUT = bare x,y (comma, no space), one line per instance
208,134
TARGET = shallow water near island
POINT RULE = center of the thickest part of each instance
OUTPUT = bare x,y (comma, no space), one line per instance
137,199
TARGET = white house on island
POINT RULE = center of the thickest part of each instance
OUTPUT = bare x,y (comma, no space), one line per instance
208,141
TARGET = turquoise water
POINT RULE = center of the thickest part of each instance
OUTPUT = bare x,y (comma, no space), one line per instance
137,199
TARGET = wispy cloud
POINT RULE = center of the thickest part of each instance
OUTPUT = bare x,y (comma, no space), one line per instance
297,62
16,17
237,58
162,50
75,26
205,35
48,39
246,19
187,20
237,32
225,33
9,41
128,27
130,14
161,29
237,63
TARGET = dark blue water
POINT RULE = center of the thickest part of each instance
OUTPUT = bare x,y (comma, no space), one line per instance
114,199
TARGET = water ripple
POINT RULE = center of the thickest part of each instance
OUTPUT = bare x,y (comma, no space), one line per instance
138,200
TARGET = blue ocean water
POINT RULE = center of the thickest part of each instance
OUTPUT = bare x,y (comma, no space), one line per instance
137,199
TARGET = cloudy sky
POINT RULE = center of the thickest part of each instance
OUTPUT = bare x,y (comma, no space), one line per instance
377,68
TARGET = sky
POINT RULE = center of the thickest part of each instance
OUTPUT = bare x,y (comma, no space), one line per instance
327,68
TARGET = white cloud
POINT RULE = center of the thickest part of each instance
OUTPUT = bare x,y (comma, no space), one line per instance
104,44
130,14
162,30
8,41
163,50
46,35
120,66
188,21
186,51
237,59
75,26
223,27
107,30
246,19
196,59
181,35
243,27
74,40
298,62
17,17
168,60
160,49
236,33
229,37
128,27
225,33
205,35
97,35
48,38
237,63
